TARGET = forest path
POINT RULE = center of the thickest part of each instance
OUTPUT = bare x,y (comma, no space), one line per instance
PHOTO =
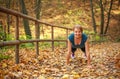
52,65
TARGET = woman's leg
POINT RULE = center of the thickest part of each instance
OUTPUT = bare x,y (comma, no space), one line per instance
73,52
83,50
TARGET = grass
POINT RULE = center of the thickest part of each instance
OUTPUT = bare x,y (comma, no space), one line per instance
118,39
3,51
2,56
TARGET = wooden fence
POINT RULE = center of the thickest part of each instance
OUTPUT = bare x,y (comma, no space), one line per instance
17,41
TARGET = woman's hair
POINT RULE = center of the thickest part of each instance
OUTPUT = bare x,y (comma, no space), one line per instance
78,27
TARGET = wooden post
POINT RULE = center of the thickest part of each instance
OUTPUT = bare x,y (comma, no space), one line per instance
17,38
37,37
66,37
52,38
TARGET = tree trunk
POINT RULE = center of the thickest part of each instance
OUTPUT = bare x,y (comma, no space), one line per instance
37,12
93,19
118,3
84,1
102,17
108,20
1,32
25,21
8,16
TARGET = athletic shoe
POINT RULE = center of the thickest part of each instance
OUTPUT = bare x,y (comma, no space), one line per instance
84,56
72,56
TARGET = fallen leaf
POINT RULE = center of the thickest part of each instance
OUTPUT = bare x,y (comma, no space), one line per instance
41,77
4,65
66,76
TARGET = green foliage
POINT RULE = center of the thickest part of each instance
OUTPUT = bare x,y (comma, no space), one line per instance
2,56
25,37
70,12
46,36
28,37
9,37
73,17
95,37
27,45
2,53
2,34
45,45
89,32
6,37
118,39
60,37
59,44
22,37
59,4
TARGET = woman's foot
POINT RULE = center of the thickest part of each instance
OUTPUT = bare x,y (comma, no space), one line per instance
84,56
72,55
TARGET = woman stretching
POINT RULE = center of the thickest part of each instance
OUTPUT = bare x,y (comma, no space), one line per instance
78,39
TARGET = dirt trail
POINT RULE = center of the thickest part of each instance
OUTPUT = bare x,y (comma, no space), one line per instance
52,65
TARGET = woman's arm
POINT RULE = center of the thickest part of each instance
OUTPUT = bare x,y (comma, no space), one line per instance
87,52
69,51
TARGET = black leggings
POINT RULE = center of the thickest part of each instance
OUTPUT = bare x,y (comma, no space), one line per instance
83,49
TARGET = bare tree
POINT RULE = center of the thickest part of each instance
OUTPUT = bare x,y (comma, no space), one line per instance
109,13
8,16
93,19
118,3
37,12
102,17
25,21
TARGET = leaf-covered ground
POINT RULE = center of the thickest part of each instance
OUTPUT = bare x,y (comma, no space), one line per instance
52,65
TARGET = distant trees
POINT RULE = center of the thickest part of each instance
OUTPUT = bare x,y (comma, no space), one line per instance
108,19
22,6
102,4
8,2
93,18
102,17
104,8
2,32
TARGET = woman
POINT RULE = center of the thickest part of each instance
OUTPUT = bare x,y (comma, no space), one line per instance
78,39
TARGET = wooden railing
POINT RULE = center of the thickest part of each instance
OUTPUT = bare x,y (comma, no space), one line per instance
17,41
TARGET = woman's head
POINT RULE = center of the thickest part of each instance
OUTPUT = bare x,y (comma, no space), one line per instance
78,27
78,31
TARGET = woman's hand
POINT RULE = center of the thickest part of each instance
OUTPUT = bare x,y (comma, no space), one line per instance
89,66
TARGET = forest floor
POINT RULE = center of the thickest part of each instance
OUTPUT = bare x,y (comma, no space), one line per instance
105,57
52,65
